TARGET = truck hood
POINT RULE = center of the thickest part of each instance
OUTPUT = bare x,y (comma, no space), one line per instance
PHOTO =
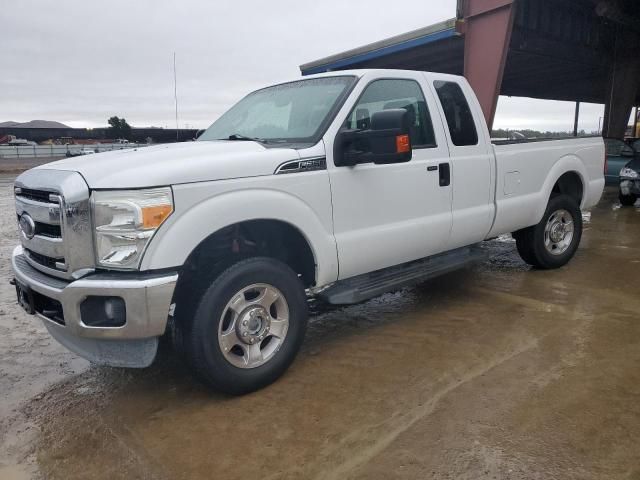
174,163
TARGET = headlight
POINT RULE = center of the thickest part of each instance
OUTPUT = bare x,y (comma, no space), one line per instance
628,173
125,221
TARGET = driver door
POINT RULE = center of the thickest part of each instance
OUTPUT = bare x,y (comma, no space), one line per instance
385,215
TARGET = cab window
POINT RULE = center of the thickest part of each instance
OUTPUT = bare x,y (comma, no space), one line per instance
462,128
392,94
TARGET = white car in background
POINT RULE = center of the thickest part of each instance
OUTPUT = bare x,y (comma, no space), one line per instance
78,153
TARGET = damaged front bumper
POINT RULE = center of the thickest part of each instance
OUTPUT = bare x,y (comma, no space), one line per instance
71,311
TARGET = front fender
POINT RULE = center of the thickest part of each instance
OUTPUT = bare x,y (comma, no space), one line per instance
191,224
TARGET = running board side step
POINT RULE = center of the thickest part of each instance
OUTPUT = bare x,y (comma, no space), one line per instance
363,287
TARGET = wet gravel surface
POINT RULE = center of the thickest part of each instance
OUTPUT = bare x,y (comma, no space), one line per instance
496,372
20,334
30,361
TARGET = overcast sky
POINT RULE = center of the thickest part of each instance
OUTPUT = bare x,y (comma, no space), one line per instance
80,62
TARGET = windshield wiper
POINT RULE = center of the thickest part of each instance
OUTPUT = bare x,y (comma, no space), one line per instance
237,136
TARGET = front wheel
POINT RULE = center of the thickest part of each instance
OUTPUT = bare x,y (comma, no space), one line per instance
627,200
552,242
248,327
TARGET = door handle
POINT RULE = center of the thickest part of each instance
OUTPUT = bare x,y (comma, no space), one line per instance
445,174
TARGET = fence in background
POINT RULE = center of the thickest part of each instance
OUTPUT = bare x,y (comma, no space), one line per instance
47,151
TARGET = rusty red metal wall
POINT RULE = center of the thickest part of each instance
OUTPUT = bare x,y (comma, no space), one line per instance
486,26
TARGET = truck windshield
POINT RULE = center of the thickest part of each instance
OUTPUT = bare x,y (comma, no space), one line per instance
295,112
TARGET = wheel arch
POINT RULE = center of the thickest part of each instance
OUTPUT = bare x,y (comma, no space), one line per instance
569,183
257,238
568,175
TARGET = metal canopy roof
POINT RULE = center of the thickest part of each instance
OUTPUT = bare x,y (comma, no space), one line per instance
433,36
559,49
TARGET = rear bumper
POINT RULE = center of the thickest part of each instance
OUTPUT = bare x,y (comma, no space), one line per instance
147,301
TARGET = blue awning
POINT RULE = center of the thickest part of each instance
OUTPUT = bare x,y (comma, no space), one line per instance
390,46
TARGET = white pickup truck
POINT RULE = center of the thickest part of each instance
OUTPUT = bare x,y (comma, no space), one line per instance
338,186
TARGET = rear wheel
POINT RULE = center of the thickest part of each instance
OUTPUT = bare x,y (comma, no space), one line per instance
552,242
627,200
524,247
248,326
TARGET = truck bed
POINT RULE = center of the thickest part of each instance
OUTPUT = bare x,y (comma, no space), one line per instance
526,171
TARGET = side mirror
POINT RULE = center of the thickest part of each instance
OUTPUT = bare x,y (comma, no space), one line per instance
387,140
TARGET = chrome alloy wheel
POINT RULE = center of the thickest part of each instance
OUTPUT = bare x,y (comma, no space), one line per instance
253,325
558,232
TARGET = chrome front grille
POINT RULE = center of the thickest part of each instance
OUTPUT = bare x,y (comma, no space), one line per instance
44,245
42,196
56,229
47,230
47,213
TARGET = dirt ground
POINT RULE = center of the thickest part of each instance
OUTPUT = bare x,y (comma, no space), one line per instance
498,372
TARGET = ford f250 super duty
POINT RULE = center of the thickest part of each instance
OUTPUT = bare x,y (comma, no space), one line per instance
338,186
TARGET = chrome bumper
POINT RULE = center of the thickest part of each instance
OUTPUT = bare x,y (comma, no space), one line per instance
147,302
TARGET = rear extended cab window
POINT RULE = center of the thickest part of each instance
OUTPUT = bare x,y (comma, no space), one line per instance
462,128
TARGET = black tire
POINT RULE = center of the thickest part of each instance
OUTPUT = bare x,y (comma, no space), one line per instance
627,200
202,347
524,246
530,241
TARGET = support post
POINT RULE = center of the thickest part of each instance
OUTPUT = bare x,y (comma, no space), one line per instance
487,27
575,120
622,88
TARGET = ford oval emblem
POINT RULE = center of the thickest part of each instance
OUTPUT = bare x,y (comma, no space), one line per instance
27,225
